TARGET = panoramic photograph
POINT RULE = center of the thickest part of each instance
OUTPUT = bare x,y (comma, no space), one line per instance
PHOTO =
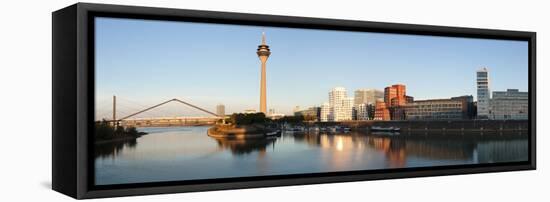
179,101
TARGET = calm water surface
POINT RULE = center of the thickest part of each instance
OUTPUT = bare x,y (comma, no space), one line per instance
187,153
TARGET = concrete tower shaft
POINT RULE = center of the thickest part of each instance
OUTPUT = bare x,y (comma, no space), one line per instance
263,53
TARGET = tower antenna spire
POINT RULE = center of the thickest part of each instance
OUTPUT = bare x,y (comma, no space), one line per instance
263,37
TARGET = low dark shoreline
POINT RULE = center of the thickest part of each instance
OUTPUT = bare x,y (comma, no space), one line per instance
120,139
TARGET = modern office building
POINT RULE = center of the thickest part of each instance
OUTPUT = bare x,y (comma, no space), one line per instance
220,110
367,96
395,95
395,98
336,95
381,112
325,112
364,102
468,106
346,113
509,104
483,93
435,109
340,108
362,112
343,111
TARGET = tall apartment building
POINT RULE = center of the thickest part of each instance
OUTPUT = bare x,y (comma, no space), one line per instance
341,107
509,104
483,93
335,98
344,111
336,95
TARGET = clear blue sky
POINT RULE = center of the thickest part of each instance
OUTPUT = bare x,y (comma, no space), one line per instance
147,61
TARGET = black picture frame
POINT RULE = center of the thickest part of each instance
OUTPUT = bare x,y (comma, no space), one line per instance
73,99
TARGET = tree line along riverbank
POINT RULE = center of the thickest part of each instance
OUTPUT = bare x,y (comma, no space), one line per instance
106,132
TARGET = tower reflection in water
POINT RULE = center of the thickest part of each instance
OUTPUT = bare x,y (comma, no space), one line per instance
241,146
185,153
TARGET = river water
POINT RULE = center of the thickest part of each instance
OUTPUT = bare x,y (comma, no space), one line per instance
187,153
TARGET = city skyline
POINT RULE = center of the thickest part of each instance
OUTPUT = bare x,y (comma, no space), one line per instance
152,61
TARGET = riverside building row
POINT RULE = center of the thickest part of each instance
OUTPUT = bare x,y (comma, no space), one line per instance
394,104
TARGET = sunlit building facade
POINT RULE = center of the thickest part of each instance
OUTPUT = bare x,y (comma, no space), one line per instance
381,113
336,95
435,109
395,95
395,98
341,107
346,113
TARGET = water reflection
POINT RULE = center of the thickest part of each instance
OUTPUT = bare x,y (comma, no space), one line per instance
185,153
244,146
113,148
397,148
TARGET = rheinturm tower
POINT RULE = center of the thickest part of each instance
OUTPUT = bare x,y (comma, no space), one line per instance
263,53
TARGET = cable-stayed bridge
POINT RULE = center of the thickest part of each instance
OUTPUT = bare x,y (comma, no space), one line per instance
138,115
